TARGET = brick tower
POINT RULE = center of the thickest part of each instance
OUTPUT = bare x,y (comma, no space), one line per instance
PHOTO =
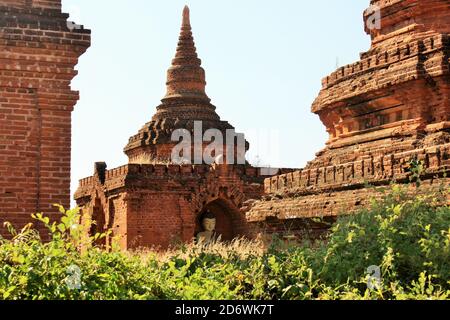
389,108
154,201
39,49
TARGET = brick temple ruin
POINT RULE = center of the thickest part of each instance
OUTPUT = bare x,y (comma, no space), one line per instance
154,201
387,109
39,49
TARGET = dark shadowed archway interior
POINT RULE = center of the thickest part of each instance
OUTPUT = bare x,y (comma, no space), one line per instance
225,219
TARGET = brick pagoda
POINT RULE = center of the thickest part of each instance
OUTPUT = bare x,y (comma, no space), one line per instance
153,201
39,49
185,102
389,108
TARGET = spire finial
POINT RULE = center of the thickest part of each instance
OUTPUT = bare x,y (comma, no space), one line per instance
186,18
186,77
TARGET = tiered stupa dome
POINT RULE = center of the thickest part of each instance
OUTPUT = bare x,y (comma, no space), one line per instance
184,103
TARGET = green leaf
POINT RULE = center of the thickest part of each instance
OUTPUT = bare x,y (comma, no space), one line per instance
62,227
7,294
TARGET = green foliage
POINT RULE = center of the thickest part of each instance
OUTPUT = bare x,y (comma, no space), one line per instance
416,169
406,234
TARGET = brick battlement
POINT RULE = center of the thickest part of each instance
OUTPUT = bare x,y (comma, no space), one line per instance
355,98
135,193
86,181
384,59
144,174
172,170
382,169
120,171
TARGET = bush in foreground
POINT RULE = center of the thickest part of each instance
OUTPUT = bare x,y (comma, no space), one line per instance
405,236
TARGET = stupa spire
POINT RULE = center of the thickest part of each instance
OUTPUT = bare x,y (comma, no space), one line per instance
186,16
184,104
186,77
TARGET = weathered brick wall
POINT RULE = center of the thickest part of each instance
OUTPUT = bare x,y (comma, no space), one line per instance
159,205
407,17
27,4
158,218
382,112
291,205
38,54
379,170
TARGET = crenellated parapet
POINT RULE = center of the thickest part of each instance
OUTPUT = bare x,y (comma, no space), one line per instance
419,50
379,170
151,198
174,177
402,77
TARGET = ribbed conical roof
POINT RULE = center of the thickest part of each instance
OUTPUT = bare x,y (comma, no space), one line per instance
186,77
184,103
186,98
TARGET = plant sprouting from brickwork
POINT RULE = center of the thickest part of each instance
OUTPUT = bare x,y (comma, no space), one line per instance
417,169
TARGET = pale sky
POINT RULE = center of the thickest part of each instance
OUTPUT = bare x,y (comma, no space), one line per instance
264,63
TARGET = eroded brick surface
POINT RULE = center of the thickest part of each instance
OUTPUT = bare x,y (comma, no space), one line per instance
38,53
381,112
160,205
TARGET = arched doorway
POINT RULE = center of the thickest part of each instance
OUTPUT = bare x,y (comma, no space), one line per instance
226,219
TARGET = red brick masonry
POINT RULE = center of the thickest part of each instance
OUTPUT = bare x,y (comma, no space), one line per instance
381,112
38,53
153,202
387,109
